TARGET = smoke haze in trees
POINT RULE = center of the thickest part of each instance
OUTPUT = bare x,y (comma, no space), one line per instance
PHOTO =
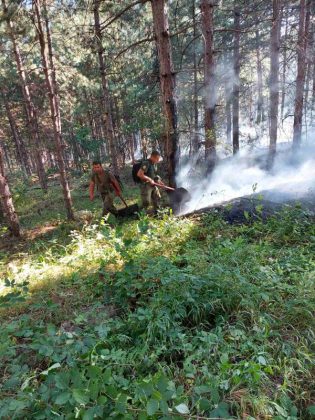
292,178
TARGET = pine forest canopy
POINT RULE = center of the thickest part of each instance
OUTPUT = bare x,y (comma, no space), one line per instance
198,304
114,79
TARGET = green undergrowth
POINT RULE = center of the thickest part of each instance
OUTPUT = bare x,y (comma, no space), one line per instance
165,318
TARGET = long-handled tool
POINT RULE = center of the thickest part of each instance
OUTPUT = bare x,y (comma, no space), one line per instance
128,210
123,200
178,197
164,186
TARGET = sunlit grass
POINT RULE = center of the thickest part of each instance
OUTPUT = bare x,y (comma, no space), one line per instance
225,313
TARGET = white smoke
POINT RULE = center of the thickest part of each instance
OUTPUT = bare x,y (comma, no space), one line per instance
292,178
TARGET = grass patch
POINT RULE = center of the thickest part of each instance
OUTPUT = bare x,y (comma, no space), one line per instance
161,318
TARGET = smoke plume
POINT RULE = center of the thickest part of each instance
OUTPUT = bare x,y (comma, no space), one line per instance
292,178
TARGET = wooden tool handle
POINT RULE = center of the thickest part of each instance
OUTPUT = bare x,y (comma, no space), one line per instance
122,199
164,186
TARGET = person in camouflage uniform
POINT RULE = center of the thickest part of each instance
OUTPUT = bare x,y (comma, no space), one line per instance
106,185
150,193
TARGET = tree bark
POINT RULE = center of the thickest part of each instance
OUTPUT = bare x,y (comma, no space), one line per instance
313,74
30,109
304,20
195,137
18,141
7,157
260,101
51,83
207,14
285,64
274,79
105,89
90,115
7,202
228,99
236,84
167,85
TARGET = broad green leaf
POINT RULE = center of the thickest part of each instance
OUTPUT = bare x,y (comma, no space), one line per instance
204,404
311,409
62,380
102,400
80,396
262,361
51,329
162,384
88,414
17,405
94,371
107,375
156,395
94,389
62,398
152,407
222,411
182,409
121,404
203,389
164,407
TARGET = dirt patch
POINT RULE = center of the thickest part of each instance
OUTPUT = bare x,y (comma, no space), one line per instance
11,244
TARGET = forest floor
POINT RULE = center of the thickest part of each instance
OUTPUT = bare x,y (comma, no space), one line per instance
155,318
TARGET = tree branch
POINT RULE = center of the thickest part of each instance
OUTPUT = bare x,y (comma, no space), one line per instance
107,22
141,41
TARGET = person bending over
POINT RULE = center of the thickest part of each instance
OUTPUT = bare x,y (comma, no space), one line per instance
106,185
148,175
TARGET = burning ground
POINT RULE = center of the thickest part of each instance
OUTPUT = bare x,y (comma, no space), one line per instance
291,180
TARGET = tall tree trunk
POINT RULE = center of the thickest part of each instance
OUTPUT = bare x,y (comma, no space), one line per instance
167,84
304,21
51,83
195,137
18,141
285,65
309,70
260,101
207,14
7,157
90,115
6,200
313,74
228,99
236,84
228,115
105,90
76,153
132,147
274,79
30,109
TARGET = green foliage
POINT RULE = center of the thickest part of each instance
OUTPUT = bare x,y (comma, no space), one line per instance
195,319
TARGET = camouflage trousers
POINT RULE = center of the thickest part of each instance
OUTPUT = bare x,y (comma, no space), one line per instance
108,204
150,196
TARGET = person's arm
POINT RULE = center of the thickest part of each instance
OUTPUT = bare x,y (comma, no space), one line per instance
144,177
91,190
115,185
158,179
